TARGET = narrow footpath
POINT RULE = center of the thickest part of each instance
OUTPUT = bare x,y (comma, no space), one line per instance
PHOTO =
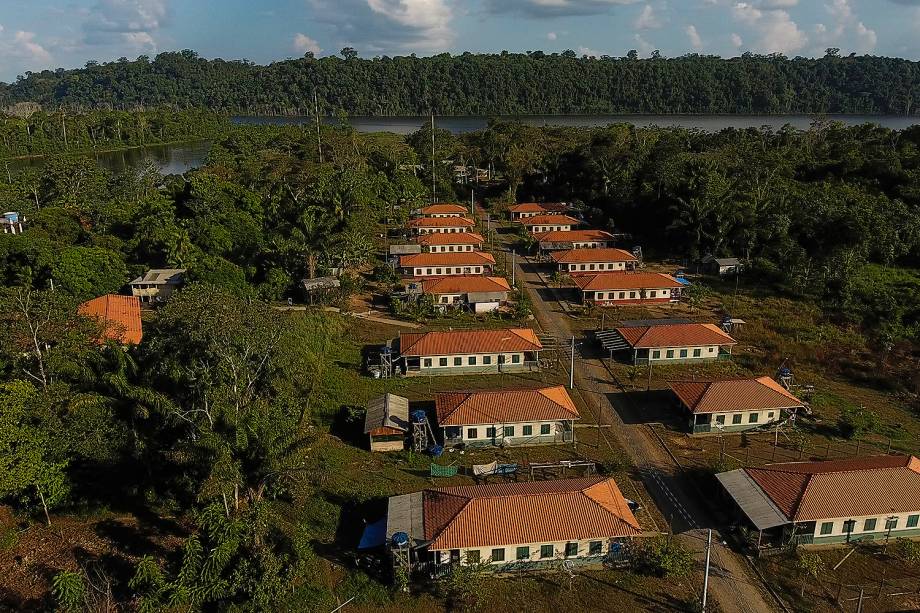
733,584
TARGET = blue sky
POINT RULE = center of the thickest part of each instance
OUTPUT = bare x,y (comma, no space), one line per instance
37,34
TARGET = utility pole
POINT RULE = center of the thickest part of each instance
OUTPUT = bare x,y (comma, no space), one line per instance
319,138
512,268
706,573
472,203
572,366
434,189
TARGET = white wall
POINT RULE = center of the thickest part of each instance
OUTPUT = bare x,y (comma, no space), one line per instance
429,271
435,360
860,522
485,553
594,266
707,352
482,430
763,417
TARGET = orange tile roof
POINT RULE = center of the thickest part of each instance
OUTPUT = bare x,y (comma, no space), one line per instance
723,395
464,342
441,208
526,512
858,487
462,284
538,207
120,316
624,280
675,335
441,222
504,406
447,258
601,254
450,238
546,220
568,236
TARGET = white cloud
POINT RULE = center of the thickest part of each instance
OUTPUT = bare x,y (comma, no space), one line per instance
25,47
551,36
589,52
388,26
555,8
775,29
21,51
647,19
644,47
866,38
695,41
845,30
303,43
737,41
777,4
131,23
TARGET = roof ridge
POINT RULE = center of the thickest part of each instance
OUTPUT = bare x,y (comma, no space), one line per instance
618,514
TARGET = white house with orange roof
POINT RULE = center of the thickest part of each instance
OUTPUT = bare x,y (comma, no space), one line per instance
588,261
564,240
479,294
670,342
627,288
428,225
539,416
732,405
511,526
538,224
458,352
439,242
119,317
419,265
443,209
531,209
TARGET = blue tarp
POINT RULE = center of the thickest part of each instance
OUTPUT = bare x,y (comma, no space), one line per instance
682,281
375,535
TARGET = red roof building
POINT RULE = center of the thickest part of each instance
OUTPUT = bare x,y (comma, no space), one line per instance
530,209
478,293
469,351
538,224
444,209
120,317
590,261
439,242
427,225
574,239
444,264
535,522
624,288
680,342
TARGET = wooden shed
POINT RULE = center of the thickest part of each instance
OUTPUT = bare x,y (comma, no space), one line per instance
387,422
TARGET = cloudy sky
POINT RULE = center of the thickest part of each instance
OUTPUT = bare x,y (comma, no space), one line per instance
38,34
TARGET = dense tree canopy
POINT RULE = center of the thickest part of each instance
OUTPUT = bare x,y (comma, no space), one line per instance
485,84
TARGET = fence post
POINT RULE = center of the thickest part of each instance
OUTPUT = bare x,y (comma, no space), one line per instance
839,589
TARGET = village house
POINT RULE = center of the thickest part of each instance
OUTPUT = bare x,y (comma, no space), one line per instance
531,209
440,243
158,284
586,261
524,525
444,264
386,423
856,500
443,209
622,288
671,342
477,293
731,405
460,352
11,223
507,417
538,224
428,225
119,317
720,266
565,240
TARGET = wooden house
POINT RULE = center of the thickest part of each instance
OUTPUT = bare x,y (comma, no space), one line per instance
386,423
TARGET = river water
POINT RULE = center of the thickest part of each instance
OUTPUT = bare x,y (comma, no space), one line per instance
179,157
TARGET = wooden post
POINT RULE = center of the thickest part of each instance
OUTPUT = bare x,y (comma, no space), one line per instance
839,589
859,604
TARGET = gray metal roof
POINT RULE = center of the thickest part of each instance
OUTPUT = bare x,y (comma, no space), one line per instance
389,410
161,276
752,500
611,340
321,283
405,514
405,249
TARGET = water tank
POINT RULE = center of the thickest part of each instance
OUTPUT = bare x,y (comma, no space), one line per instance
419,416
399,539
785,372
436,450
11,216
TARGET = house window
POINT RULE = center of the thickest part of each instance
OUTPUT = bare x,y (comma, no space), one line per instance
437,271
891,523
622,295
458,361
720,419
445,299
442,361
632,294
471,360
595,548
771,414
546,551
869,525
523,553
544,428
486,359
652,294
912,521
454,556
472,433
697,353
509,430
736,419
656,355
428,271
753,417
516,358
528,430
591,267
711,349
427,362
683,353
571,550
498,555
669,353
827,527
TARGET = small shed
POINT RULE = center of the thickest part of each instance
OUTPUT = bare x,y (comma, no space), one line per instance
387,422
720,266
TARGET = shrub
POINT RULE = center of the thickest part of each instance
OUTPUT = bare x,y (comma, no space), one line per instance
664,557
854,422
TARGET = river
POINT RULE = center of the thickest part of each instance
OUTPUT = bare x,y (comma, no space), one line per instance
177,158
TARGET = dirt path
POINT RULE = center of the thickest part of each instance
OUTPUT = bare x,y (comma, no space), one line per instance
732,584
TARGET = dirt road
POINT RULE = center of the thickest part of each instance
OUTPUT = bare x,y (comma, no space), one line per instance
733,586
